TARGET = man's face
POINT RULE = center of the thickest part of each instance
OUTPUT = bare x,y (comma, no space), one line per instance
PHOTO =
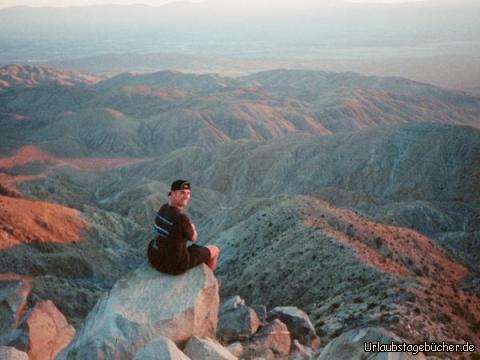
180,198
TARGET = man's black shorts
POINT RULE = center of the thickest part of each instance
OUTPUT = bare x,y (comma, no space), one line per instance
198,254
166,263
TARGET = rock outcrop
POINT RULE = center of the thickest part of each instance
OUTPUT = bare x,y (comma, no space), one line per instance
44,332
144,305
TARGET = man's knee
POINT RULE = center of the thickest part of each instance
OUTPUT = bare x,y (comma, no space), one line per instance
214,251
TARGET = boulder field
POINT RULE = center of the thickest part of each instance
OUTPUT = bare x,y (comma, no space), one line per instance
150,315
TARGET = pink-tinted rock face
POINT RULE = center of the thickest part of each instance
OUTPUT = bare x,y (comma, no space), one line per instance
48,331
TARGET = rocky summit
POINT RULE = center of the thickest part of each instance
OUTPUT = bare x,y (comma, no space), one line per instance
144,305
354,199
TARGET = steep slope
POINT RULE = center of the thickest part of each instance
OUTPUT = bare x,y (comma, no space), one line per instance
347,271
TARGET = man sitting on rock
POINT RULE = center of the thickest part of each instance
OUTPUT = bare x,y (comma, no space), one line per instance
168,252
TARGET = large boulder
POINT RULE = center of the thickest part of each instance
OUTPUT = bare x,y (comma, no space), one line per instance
160,348
146,304
298,324
47,331
10,353
202,349
350,345
43,332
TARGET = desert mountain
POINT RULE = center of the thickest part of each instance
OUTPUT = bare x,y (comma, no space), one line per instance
356,198
29,76
347,271
146,115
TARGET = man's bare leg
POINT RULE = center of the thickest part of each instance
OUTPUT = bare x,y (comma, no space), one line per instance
215,253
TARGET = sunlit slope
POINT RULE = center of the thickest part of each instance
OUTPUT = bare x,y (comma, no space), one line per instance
346,270
25,221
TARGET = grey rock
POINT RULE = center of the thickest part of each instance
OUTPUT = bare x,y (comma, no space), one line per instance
160,348
350,345
10,353
231,304
13,297
237,324
298,324
146,304
261,311
274,336
200,349
43,332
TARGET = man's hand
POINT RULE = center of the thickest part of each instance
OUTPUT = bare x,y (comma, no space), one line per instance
195,235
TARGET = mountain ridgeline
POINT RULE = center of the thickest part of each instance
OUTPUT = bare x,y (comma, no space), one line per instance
145,115
356,198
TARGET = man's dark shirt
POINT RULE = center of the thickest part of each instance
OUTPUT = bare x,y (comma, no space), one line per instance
168,251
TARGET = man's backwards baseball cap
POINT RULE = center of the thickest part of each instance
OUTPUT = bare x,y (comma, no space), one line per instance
179,185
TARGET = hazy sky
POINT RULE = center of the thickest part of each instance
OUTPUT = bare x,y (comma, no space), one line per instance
274,3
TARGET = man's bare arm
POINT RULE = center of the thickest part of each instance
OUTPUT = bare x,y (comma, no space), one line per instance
195,235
